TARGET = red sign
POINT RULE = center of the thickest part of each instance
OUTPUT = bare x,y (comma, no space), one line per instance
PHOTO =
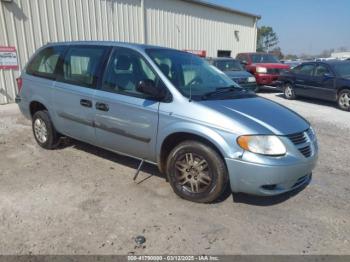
8,58
200,53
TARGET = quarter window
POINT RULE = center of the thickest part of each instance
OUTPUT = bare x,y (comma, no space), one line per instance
45,62
81,65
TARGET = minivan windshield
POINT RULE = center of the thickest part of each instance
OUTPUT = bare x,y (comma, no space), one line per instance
193,76
264,58
229,65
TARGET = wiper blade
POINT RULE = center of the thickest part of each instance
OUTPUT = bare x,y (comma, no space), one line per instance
222,90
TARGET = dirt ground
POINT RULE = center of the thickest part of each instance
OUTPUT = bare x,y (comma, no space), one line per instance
82,200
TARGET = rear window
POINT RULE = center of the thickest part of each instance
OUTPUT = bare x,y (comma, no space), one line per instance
45,62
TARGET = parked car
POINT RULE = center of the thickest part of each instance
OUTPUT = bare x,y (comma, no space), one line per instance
328,80
169,108
265,67
234,70
292,64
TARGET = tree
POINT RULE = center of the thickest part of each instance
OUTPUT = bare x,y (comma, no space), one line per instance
267,38
291,57
277,52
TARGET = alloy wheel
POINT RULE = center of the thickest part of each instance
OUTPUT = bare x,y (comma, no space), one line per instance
344,100
193,173
40,130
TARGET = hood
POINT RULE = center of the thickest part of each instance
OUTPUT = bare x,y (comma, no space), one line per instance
272,65
258,115
238,74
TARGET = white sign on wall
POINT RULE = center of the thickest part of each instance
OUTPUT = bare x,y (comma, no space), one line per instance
8,58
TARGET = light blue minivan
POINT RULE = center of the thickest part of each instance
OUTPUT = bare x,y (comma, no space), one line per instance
169,108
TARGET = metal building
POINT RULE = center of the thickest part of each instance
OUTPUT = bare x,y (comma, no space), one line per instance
25,25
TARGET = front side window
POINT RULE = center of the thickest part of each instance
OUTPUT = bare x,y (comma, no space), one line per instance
45,62
192,76
342,69
81,65
321,70
125,71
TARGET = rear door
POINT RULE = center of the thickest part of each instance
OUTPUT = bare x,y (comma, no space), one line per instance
127,120
73,93
323,83
303,79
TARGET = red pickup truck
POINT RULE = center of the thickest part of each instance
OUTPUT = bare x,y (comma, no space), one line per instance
265,67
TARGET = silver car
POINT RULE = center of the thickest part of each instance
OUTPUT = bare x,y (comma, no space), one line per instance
169,108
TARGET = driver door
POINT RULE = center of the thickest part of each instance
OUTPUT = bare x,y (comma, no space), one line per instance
126,120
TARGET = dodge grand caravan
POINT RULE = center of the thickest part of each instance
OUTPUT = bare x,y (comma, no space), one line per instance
169,108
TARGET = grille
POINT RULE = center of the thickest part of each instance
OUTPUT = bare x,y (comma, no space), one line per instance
298,138
240,80
306,151
275,71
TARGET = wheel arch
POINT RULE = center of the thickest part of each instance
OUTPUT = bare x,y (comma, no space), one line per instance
168,140
35,106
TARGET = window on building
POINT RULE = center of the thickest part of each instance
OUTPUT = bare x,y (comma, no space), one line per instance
224,53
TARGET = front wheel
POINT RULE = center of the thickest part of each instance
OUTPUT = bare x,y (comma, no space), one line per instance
344,100
289,92
197,172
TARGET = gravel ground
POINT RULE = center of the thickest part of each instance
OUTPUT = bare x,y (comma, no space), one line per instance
81,200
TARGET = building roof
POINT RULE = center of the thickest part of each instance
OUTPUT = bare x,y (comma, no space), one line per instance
224,8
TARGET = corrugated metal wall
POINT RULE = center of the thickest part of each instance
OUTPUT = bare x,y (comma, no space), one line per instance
185,25
29,24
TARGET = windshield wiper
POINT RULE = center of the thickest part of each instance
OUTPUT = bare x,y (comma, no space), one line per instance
222,90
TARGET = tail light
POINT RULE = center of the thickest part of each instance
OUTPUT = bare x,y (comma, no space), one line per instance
19,84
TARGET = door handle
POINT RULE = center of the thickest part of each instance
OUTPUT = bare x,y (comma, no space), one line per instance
85,103
102,106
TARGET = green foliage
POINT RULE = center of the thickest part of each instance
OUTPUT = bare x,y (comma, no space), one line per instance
267,38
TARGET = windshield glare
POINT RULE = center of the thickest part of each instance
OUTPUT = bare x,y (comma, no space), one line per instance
264,58
229,65
191,75
343,69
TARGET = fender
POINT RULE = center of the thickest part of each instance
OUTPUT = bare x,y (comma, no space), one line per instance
210,134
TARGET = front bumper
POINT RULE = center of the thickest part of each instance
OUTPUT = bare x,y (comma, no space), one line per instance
266,79
268,180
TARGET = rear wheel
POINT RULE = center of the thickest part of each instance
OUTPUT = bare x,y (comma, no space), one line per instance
344,100
44,131
289,92
196,172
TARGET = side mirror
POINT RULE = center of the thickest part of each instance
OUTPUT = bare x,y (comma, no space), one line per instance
150,88
327,75
244,62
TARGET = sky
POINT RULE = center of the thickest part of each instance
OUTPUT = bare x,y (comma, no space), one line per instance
303,26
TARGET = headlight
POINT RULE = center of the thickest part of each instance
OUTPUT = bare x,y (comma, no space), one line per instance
251,79
264,145
261,70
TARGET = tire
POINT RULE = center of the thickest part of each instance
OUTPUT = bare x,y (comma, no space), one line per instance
43,130
344,100
192,181
289,92
257,89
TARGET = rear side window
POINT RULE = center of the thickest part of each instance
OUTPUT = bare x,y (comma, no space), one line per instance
45,62
81,65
